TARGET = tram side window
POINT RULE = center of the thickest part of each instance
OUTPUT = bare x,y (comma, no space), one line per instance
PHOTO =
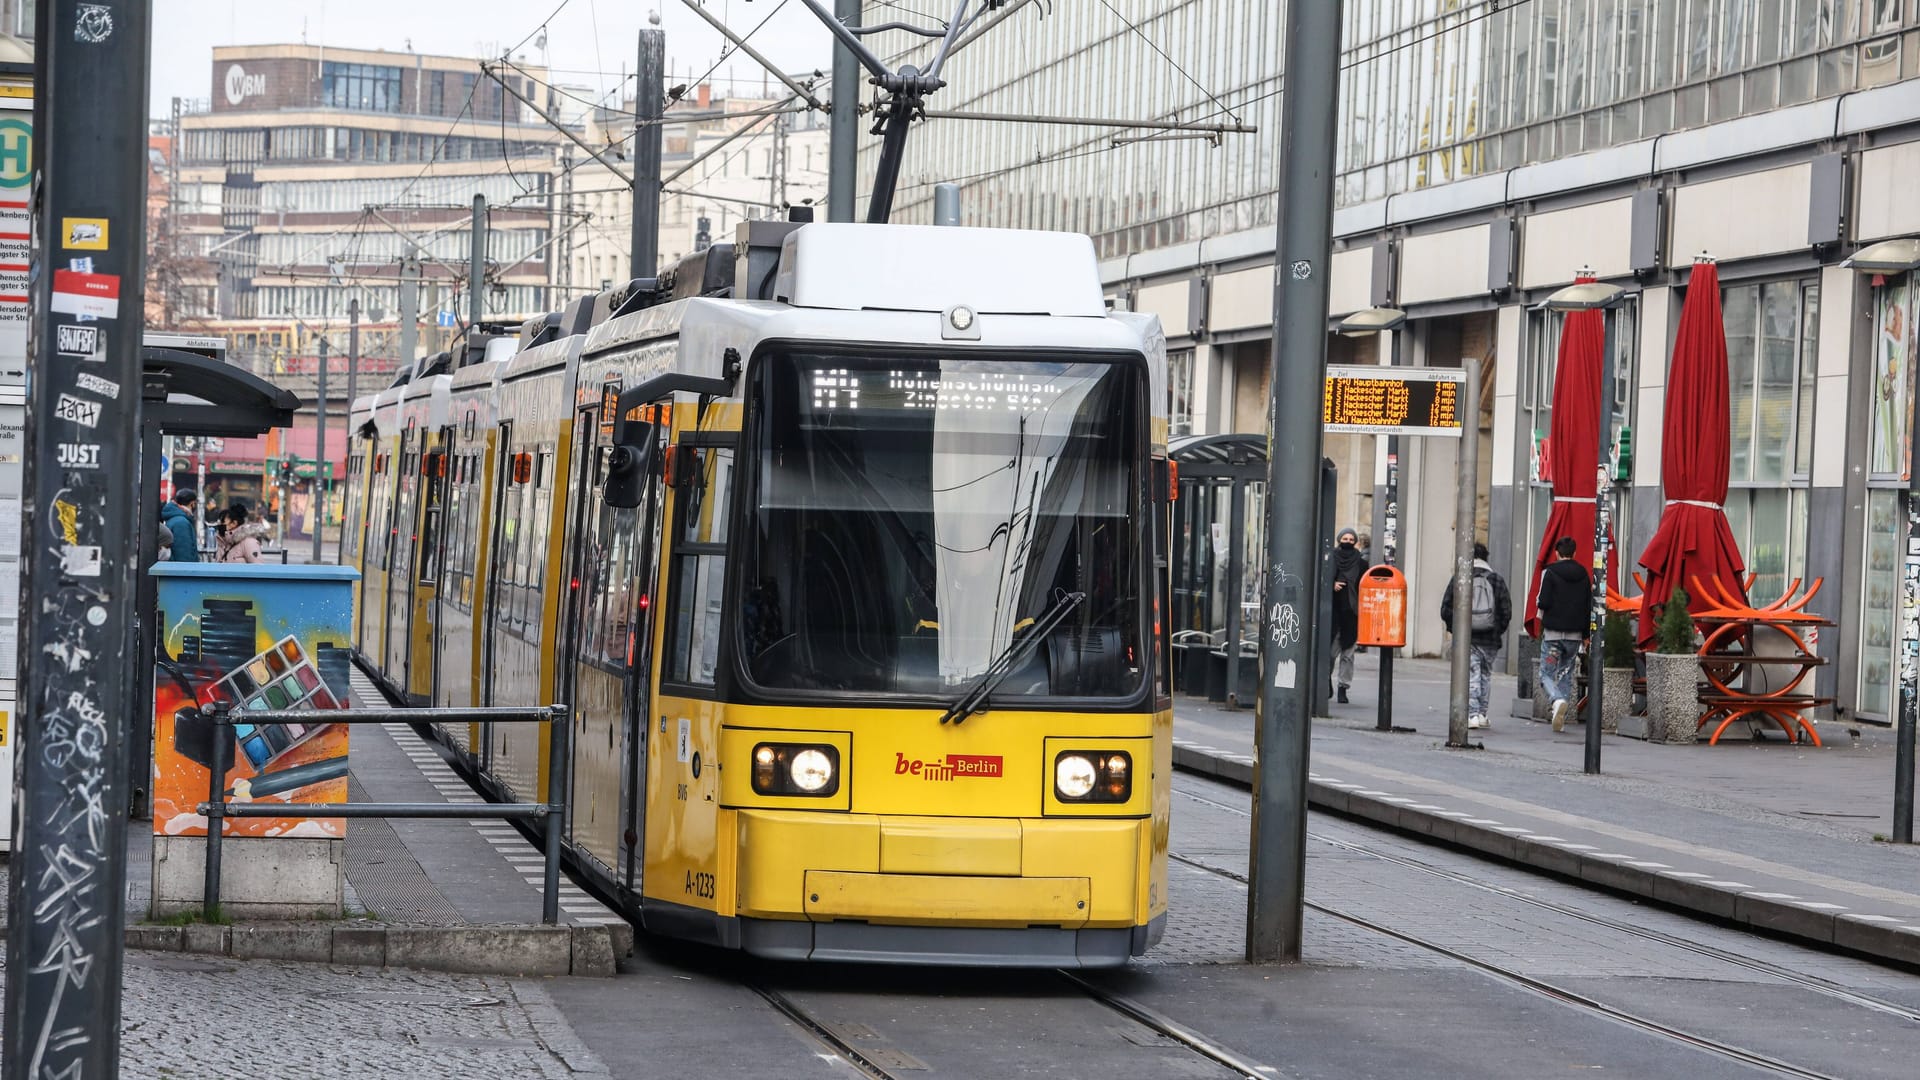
431,521
700,565
541,506
505,560
379,502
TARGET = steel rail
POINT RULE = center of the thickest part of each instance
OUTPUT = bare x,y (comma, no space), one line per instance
822,1033
1164,1025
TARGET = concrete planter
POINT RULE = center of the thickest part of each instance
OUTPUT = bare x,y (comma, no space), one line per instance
1673,697
1616,699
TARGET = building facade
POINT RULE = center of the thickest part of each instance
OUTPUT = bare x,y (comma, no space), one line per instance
1488,153
305,182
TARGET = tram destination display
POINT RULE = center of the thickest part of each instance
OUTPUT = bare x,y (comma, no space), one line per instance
1393,400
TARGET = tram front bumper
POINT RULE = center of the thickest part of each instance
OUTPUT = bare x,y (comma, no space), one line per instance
1056,873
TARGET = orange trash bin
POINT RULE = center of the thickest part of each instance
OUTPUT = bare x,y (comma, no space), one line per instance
1383,607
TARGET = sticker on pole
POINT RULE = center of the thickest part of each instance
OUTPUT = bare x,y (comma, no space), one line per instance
78,294
84,233
79,342
1393,400
77,410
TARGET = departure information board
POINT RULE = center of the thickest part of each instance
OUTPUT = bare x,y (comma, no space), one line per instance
1393,400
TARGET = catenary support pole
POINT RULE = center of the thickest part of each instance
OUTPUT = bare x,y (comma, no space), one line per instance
1296,390
844,126
409,305
649,98
67,882
477,264
1389,551
1602,534
353,386
317,502
1466,493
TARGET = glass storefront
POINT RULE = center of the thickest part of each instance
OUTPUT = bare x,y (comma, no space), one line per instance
1773,329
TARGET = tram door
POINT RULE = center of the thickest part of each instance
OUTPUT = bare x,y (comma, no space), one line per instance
613,559
498,559
433,545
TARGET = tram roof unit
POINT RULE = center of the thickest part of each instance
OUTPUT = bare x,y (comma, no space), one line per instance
894,284
426,403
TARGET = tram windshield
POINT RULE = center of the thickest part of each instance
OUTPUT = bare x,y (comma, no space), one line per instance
912,517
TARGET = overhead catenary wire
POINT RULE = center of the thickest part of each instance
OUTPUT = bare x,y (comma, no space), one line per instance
1131,25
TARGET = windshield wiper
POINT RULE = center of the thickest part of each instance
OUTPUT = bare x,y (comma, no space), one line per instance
975,699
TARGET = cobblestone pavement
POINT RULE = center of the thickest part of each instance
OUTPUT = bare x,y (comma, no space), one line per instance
194,1017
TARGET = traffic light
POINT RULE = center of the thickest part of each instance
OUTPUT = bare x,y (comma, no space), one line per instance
286,470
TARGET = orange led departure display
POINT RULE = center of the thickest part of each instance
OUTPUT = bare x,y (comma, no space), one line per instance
1386,401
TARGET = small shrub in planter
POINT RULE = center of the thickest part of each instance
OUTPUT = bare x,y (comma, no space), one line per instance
1673,675
1616,654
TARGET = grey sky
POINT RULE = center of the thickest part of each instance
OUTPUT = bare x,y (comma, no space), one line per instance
589,43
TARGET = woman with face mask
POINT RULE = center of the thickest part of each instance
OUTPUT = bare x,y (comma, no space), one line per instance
1348,565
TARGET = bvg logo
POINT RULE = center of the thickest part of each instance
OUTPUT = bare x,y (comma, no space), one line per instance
954,767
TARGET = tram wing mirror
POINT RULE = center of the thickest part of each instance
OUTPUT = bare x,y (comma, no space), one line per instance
630,464
633,449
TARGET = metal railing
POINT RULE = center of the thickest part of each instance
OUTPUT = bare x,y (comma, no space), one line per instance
554,811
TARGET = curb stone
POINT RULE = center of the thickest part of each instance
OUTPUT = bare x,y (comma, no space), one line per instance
1821,929
589,951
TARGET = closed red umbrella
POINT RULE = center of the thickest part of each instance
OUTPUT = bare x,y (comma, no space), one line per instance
1573,446
1693,540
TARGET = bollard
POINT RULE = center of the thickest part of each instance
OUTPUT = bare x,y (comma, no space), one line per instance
559,740
216,810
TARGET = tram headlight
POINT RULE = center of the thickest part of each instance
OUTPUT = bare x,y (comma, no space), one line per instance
790,769
810,771
1093,776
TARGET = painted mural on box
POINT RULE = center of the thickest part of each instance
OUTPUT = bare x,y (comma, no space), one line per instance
257,644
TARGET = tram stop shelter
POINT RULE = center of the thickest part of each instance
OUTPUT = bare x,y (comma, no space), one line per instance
1219,559
186,388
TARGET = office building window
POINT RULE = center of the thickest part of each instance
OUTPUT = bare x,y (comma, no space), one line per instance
362,87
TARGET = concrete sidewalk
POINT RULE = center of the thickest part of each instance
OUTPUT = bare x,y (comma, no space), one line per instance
1765,834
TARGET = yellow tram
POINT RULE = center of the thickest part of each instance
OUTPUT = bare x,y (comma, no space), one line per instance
845,545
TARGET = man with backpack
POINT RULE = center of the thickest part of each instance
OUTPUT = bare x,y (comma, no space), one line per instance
1492,611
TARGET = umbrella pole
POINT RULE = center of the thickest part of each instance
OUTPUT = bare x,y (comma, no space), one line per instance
1596,662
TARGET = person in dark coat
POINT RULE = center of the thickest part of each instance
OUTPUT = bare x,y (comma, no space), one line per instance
1348,566
1487,629
1565,608
177,516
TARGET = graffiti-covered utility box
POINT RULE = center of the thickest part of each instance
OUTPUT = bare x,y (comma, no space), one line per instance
257,636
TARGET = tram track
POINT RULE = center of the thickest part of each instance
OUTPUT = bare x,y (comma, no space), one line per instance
867,1061
1163,1025
1564,995
1802,980
1548,990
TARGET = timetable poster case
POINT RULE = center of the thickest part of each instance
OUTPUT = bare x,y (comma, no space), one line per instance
257,636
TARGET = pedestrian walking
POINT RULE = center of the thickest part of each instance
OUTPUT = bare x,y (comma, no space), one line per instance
1564,609
240,539
1348,566
1487,628
177,516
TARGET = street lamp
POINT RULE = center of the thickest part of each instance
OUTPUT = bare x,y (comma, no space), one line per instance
1596,296
1886,258
1383,320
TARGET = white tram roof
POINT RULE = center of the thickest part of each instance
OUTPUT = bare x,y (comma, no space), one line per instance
552,354
857,267
894,284
427,403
